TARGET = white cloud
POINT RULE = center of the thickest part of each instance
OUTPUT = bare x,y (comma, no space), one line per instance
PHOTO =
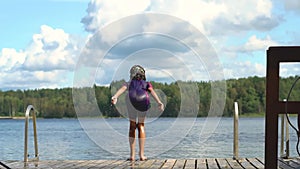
244,69
48,61
9,58
210,17
253,44
289,69
256,44
35,79
176,59
51,49
51,56
213,18
199,13
102,12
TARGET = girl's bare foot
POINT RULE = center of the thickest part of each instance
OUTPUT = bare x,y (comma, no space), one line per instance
143,158
130,159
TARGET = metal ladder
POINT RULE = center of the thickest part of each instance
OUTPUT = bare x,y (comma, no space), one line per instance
285,137
29,109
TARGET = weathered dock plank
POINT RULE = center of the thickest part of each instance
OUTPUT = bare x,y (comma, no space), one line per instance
294,163
92,163
212,163
70,164
145,164
179,164
245,164
106,164
297,160
116,164
255,162
169,164
201,163
81,164
190,163
205,163
222,163
158,163
234,163
284,164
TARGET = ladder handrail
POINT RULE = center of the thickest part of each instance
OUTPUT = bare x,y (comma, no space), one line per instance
285,137
27,114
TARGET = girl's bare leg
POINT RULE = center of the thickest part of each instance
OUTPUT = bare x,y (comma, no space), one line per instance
142,137
132,128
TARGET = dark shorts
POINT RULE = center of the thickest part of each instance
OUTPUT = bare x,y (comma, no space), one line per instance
133,113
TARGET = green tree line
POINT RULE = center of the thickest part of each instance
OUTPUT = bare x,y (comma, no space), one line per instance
58,103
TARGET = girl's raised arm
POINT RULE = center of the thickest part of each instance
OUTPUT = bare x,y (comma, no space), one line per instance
160,104
114,99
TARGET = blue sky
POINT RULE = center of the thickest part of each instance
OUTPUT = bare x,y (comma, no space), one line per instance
41,40
22,19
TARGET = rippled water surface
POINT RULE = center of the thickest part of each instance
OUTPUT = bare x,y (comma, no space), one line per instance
66,139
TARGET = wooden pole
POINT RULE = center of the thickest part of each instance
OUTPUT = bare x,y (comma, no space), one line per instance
236,132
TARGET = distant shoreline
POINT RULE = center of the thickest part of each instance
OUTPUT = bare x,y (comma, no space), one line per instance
13,118
258,115
5,117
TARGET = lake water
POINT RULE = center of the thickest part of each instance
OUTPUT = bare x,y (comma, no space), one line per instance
62,139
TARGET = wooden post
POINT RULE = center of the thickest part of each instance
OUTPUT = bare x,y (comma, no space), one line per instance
236,132
274,107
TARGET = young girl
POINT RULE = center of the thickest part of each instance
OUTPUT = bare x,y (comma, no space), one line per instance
138,103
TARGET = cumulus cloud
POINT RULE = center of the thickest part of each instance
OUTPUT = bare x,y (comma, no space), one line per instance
9,58
47,62
210,17
102,12
150,32
242,16
253,44
51,56
289,69
256,44
51,49
35,79
244,69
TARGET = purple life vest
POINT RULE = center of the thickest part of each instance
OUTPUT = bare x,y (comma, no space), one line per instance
138,94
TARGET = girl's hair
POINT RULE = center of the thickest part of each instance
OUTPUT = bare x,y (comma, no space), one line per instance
137,72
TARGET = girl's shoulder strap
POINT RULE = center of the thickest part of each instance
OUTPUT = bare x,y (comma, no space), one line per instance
149,85
126,84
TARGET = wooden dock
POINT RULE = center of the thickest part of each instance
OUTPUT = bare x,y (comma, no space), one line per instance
207,163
